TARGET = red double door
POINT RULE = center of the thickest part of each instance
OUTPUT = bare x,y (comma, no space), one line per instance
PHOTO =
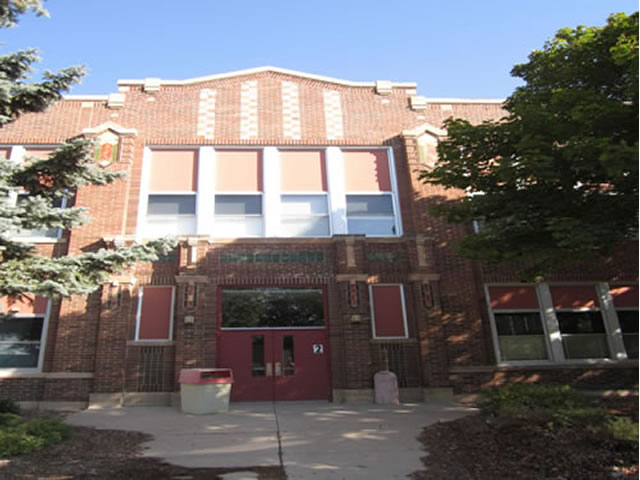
276,364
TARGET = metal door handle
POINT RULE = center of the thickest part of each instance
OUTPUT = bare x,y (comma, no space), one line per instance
269,369
278,369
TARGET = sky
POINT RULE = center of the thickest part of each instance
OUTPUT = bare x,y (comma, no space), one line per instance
455,48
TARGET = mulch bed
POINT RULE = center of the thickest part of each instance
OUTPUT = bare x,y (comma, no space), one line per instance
482,447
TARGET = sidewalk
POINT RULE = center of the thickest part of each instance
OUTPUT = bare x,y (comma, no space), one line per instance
312,439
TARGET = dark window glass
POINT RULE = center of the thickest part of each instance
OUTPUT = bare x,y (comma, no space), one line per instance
629,325
20,329
629,320
172,205
373,205
580,322
20,341
238,205
519,323
288,358
257,356
272,307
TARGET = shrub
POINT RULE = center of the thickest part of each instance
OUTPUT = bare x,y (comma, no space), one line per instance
622,428
50,430
558,403
9,420
17,438
9,406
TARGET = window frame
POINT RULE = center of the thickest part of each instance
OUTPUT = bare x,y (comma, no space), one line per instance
203,222
140,295
403,303
42,343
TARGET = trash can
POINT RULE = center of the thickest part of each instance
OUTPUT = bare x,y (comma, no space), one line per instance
205,390
386,388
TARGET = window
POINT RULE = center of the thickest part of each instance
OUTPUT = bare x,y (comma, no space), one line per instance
171,203
625,300
629,320
518,324
254,308
155,313
239,215
234,192
238,194
369,199
304,208
22,332
388,314
520,336
580,321
371,215
41,233
304,216
564,323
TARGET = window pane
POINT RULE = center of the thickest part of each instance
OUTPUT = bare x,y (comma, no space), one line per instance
288,357
522,347
304,204
375,205
18,329
272,307
377,226
238,205
631,344
172,205
628,320
234,227
580,322
305,227
577,346
19,355
257,356
519,323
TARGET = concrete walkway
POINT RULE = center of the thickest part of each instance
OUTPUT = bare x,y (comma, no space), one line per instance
313,440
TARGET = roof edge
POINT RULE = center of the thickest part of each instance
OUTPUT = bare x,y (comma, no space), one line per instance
466,100
266,68
85,98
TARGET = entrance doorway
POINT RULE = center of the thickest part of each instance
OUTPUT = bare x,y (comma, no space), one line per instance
276,342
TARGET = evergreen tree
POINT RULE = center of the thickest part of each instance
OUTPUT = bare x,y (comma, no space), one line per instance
44,182
556,180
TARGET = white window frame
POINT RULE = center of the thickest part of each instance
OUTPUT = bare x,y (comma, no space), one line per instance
373,313
205,222
43,341
551,327
139,315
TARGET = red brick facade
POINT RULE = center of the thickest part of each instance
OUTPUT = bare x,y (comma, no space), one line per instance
90,345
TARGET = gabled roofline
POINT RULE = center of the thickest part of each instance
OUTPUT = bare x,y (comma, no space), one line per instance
266,68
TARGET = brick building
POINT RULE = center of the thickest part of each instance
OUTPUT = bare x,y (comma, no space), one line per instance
308,259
